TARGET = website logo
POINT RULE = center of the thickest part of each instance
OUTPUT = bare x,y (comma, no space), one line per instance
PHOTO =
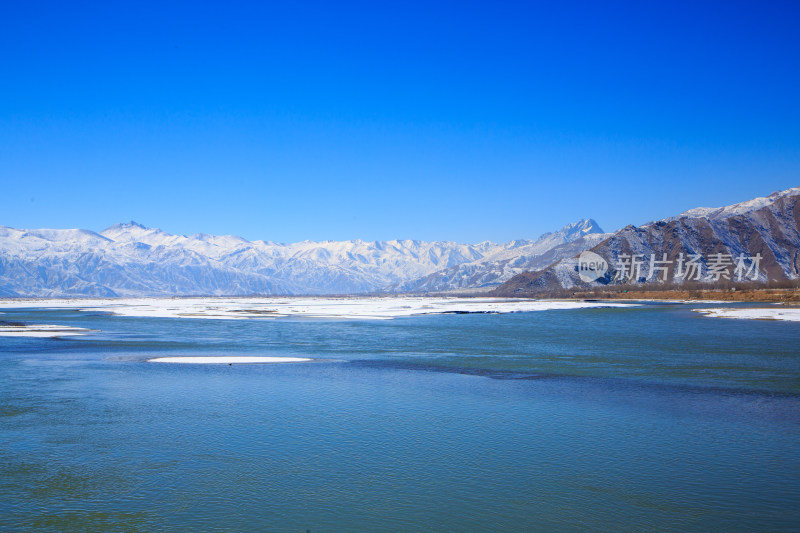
591,266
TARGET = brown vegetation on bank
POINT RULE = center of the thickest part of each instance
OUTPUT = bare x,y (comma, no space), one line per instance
779,291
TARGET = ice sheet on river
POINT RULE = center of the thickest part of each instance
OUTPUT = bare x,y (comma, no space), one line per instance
363,308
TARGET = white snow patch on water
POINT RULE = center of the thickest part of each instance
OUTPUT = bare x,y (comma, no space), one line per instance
364,308
237,360
41,330
791,314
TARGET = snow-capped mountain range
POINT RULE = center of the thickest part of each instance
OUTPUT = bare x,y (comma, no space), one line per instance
519,256
767,227
133,260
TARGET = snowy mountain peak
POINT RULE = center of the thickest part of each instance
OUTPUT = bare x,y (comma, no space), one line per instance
572,231
719,213
133,228
592,226
582,227
126,226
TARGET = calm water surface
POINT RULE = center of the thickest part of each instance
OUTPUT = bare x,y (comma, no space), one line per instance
636,419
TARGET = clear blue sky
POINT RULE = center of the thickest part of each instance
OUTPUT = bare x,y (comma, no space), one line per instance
377,120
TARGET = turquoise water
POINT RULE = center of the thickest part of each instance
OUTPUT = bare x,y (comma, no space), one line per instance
635,419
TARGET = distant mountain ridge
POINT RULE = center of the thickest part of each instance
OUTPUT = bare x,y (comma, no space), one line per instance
766,227
498,267
134,260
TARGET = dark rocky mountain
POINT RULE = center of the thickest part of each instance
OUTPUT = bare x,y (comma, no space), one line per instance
754,241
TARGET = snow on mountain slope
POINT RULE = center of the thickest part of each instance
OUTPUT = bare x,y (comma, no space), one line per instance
519,256
720,213
134,260
767,227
